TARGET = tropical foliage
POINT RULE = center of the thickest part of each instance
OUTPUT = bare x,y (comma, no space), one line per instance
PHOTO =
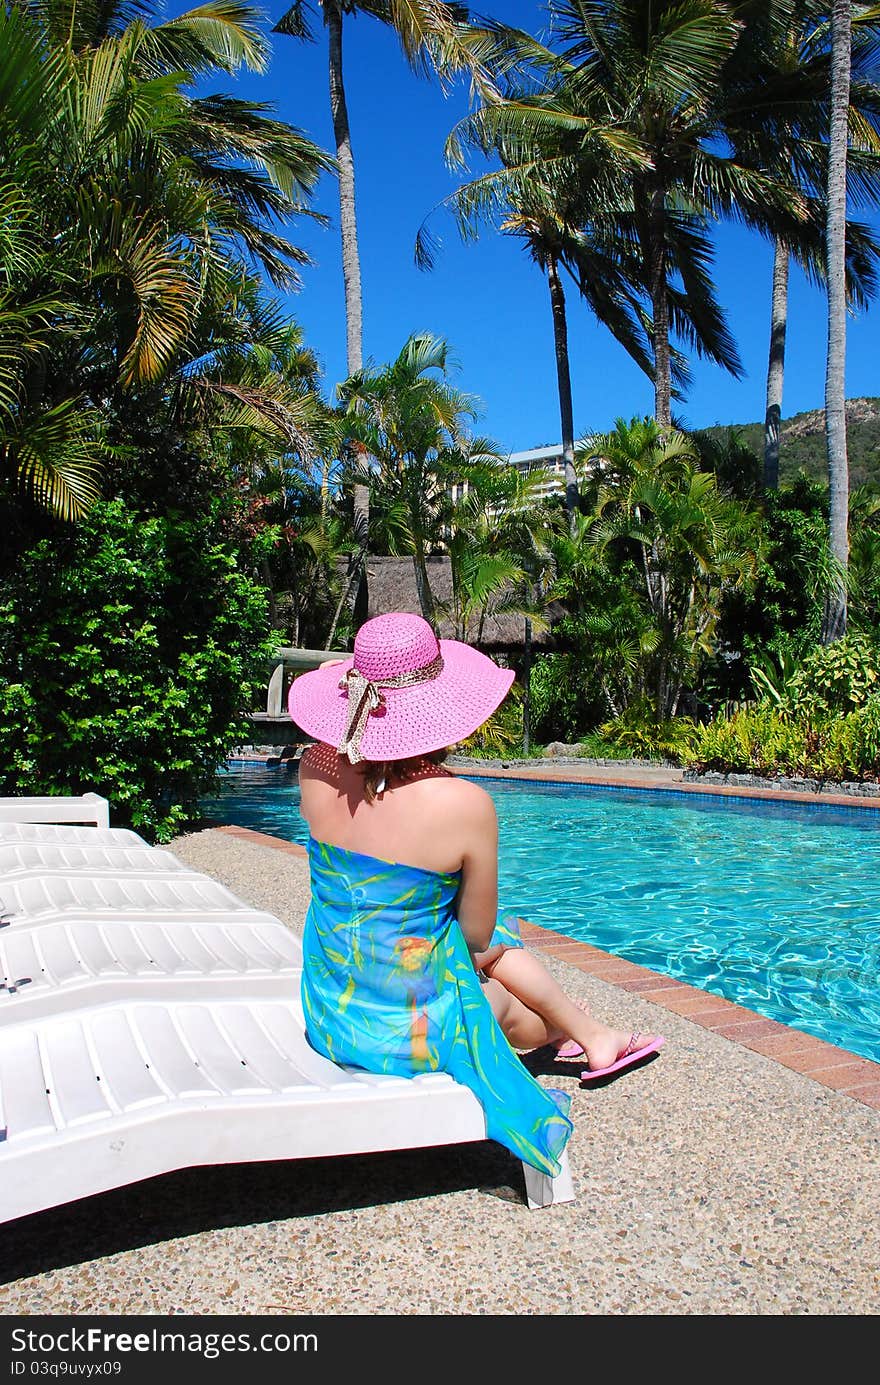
141,360
130,647
181,489
131,210
660,549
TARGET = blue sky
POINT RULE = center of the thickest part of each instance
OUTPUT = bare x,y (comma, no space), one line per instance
486,298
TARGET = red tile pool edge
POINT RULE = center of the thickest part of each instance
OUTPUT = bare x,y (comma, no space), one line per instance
832,1067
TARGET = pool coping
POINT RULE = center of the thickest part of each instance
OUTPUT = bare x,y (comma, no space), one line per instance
830,1066
669,782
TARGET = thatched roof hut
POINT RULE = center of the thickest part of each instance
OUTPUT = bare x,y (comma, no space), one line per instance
391,583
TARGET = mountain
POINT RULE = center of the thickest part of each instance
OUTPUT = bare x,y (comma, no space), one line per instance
802,443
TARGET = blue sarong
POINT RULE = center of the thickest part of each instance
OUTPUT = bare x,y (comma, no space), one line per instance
389,986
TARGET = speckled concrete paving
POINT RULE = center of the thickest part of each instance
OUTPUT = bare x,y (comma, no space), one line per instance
711,1181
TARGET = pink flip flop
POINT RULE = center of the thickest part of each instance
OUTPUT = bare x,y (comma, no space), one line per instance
633,1053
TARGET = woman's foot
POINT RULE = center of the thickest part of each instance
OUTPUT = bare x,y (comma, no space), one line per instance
640,1047
609,1048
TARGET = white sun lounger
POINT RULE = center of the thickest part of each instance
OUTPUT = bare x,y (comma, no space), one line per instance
58,967
23,860
66,835
151,1022
88,808
104,1097
121,897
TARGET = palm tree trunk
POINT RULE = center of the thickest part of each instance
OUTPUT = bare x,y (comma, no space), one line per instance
351,262
527,682
834,624
776,366
423,586
351,275
356,568
563,377
660,310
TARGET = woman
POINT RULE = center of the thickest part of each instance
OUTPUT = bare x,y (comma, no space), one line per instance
405,969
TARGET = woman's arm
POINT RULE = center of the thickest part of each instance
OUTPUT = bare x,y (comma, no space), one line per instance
477,899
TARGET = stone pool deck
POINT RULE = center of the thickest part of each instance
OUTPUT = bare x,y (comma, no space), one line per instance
736,1173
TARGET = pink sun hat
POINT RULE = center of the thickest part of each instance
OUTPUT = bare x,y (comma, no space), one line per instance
403,693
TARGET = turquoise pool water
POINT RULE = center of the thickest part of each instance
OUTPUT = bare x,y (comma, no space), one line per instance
774,906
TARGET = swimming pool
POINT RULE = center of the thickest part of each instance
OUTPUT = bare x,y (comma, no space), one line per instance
774,906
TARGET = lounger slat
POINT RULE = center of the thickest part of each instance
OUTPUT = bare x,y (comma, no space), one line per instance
280,1070
45,959
129,946
205,1031
212,951
23,1095
173,1062
132,1082
74,1087
285,1027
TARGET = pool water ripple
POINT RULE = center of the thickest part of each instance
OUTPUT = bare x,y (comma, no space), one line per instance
773,906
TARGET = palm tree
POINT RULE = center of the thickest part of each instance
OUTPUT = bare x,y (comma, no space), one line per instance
646,82
542,215
834,624
658,70
776,101
541,194
666,529
433,37
255,383
411,424
499,547
129,199
50,452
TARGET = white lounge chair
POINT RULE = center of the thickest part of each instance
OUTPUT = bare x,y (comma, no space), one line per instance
121,897
151,1022
23,860
87,807
64,834
58,967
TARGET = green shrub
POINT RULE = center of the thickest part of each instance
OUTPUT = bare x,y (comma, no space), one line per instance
752,741
129,650
638,731
836,677
565,697
763,741
501,733
850,744
595,746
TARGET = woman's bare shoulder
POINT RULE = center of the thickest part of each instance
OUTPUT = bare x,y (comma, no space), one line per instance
461,794
319,761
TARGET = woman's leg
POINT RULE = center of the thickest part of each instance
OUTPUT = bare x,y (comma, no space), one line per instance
536,1010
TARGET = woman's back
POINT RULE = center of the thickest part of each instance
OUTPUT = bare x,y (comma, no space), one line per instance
430,819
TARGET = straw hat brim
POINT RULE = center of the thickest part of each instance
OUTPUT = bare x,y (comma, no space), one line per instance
413,720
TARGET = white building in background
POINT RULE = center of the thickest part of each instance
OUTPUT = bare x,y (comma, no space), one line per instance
546,459
549,459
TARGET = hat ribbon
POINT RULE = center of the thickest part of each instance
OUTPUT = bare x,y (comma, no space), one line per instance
365,695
